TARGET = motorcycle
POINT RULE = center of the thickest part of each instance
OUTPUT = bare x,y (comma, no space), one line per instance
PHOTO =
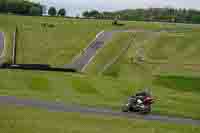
139,103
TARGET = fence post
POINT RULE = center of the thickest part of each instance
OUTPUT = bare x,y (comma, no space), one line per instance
14,46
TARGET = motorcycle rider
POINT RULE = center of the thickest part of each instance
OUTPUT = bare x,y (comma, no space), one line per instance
140,102
140,96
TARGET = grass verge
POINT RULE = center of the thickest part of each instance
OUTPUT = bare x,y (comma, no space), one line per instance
23,120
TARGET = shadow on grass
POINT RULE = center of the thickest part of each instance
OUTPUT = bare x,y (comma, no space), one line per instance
180,83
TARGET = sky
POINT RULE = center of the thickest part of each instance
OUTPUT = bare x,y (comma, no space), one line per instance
75,7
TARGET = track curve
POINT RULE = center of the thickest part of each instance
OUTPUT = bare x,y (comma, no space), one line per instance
82,60
59,107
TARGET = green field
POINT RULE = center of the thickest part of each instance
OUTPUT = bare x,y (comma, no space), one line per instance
23,120
163,53
176,48
166,52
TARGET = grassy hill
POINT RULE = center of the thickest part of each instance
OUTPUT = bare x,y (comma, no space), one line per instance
163,53
64,39
56,44
175,50
175,47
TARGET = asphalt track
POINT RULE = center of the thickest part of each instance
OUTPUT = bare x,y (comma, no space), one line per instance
1,44
90,52
59,107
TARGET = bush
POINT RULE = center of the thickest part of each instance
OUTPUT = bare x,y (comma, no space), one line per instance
62,12
52,11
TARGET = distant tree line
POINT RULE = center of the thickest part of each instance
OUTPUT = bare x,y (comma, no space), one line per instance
26,7
151,14
53,12
22,7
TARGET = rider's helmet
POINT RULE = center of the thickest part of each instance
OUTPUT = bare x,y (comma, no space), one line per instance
144,93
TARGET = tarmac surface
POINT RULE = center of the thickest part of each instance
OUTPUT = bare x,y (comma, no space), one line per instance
60,107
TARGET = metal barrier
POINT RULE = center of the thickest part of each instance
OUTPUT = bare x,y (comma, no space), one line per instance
42,67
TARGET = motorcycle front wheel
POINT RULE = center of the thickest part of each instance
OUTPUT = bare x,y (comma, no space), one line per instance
125,108
147,110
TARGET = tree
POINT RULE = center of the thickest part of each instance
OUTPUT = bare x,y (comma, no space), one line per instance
35,11
94,13
3,4
62,12
85,14
52,11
